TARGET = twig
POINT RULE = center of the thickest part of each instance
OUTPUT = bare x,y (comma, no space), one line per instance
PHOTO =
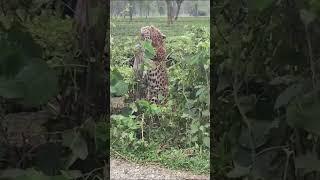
119,154
220,33
87,175
288,153
244,118
312,64
142,130
270,149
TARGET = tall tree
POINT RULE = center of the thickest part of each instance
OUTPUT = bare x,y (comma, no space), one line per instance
140,7
196,9
169,11
160,7
147,5
91,29
131,9
179,2
91,23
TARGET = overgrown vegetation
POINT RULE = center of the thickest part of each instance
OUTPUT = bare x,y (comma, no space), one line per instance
52,125
175,135
266,95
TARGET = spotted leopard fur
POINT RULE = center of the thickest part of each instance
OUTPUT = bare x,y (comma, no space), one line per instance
156,77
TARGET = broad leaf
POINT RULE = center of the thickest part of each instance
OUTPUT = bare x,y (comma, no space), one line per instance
76,143
247,103
12,173
304,113
72,174
309,162
288,94
11,89
223,83
31,174
259,130
120,88
206,141
149,50
259,4
238,171
307,16
40,83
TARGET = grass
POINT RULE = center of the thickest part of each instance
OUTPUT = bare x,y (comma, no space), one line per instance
126,28
173,157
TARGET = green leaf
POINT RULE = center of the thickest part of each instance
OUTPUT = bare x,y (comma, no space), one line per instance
120,89
259,130
35,84
11,62
76,143
307,16
304,113
238,171
31,174
71,174
12,173
40,83
288,94
134,107
11,89
154,109
149,50
308,162
287,79
247,103
102,131
206,141
115,76
259,4
206,113
18,37
195,127
223,83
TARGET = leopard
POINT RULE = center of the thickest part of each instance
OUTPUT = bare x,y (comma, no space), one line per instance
157,76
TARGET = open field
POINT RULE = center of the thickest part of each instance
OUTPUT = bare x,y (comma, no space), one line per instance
125,27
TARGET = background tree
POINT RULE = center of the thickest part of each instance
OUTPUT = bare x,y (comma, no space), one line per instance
169,11
131,2
160,5
91,43
148,7
179,2
196,9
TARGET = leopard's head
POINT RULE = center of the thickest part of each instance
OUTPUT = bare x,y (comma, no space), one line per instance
153,34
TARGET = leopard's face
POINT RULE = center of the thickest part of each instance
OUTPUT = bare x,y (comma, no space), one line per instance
153,34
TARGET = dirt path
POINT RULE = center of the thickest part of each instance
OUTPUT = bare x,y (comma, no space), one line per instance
121,169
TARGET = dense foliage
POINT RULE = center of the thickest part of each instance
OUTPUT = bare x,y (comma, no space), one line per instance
176,135
266,95
43,135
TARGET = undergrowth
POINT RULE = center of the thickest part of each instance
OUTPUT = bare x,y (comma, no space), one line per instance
176,135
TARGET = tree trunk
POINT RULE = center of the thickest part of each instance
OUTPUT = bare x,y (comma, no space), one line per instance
91,33
179,2
130,10
140,6
92,96
169,11
196,9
